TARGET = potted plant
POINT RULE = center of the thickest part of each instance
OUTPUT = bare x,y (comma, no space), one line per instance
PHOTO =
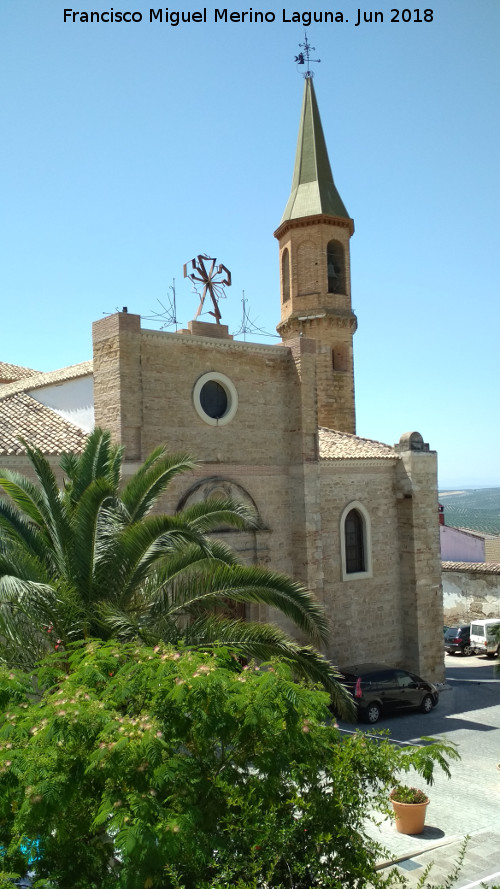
409,804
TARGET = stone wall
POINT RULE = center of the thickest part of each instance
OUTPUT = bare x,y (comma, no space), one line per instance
471,591
365,612
419,549
268,453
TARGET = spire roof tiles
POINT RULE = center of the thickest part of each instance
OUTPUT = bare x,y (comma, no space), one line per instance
313,189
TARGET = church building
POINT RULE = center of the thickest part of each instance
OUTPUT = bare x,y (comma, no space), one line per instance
354,519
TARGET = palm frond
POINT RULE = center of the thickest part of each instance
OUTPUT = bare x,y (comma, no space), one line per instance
218,512
143,490
189,557
51,503
16,527
141,546
215,584
19,562
99,459
85,526
25,494
265,641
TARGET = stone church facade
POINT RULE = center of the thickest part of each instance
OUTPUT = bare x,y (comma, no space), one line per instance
354,519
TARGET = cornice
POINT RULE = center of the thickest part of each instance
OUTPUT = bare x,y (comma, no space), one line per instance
192,340
319,219
339,318
359,463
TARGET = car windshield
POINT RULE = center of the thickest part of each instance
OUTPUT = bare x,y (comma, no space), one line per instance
451,632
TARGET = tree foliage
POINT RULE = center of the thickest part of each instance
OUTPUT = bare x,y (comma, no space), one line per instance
93,559
168,768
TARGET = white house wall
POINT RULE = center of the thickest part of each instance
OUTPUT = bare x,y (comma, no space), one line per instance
73,400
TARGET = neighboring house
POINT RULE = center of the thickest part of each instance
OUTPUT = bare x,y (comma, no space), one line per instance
465,544
354,519
53,411
471,591
459,545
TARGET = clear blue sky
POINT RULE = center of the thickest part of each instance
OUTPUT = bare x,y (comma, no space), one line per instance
129,148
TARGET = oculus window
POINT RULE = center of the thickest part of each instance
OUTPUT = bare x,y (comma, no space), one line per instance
215,399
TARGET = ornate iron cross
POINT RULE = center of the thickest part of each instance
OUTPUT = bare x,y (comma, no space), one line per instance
209,276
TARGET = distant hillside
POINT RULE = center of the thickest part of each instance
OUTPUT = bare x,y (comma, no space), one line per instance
477,509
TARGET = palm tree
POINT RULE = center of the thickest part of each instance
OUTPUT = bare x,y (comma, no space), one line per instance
92,559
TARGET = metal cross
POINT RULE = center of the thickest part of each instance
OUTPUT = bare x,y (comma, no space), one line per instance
208,276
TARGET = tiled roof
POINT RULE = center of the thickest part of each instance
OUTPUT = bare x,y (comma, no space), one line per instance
343,446
12,372
473,567
23,417
466,531
38,379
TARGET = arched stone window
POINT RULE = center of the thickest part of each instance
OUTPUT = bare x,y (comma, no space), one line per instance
335,262
355,542
285,274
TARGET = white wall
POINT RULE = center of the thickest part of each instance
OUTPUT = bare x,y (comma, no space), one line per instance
73,400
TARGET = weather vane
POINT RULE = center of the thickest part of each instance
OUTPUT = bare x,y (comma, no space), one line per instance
210,277
304,58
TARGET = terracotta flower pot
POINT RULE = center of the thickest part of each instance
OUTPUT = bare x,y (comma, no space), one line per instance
410,817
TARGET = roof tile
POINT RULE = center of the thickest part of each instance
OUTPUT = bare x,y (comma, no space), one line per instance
335,445
11,372
39,379
473,567
23,417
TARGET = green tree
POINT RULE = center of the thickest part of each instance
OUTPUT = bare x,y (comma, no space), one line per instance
93,559
178,769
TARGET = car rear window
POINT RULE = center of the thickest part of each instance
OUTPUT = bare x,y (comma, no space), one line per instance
477,629
451,632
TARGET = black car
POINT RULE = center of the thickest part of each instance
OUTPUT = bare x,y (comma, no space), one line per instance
457,639
378,689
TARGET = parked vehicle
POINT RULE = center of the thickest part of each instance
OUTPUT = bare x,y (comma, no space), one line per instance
457,640
377,689
483,636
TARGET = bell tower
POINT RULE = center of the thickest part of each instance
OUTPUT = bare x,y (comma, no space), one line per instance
315,277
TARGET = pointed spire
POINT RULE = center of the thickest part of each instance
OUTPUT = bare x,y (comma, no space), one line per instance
313,189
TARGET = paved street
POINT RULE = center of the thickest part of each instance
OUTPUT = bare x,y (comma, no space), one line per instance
468,713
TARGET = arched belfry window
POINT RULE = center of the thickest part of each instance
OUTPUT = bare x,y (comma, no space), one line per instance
355,542
285,275
335,262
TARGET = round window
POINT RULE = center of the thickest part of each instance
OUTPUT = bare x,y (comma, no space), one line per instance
215,399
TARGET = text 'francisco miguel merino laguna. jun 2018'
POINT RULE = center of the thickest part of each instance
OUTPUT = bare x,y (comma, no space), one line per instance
175,17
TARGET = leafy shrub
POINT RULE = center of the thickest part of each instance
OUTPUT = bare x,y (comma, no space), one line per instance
179,769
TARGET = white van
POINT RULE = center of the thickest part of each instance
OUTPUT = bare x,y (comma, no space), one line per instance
483,637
